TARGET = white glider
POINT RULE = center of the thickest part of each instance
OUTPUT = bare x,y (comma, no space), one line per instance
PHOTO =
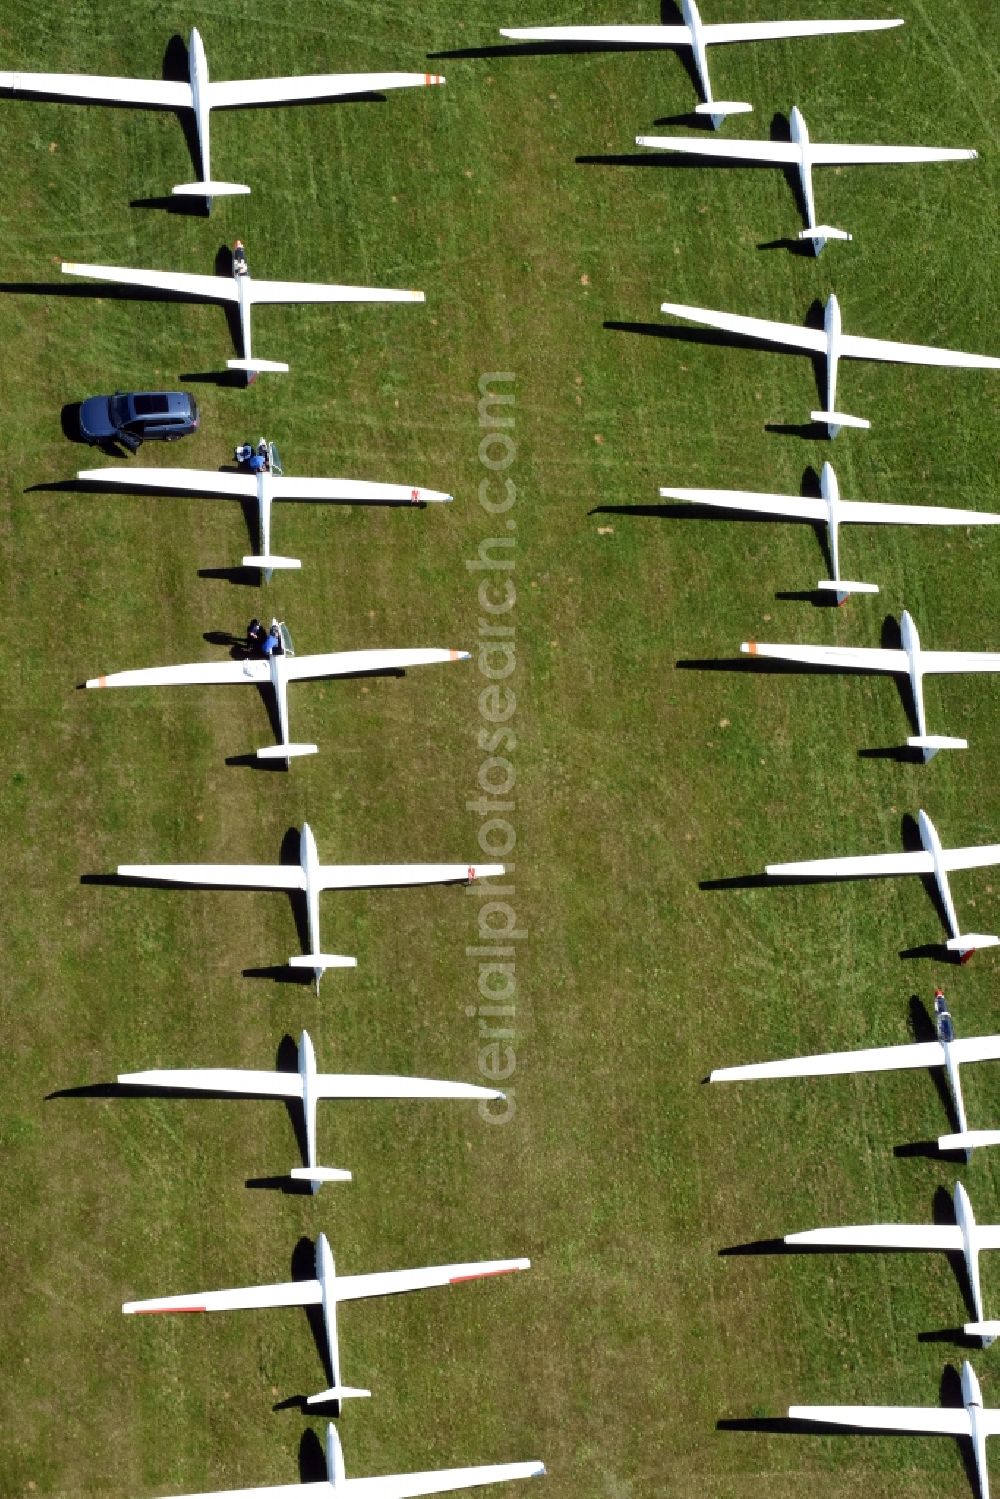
833,512
947,1052
277,671
965,1236
931,860
396,1486
912,661
202,96
326,1291
310,876
832,344
968,1420
698,37
240,288
271,484
804,154
309,1086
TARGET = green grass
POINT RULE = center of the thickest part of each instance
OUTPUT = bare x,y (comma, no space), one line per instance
620,1175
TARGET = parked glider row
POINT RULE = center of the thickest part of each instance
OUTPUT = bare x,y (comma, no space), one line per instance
202,96
306,1085
965,1237
830,345
799,151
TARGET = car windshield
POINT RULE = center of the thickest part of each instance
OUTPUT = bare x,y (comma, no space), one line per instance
118,410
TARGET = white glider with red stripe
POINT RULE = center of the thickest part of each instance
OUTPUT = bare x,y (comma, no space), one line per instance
307,1085
266,487
310,877
276,672
912,661
326,1291
697,36
202,96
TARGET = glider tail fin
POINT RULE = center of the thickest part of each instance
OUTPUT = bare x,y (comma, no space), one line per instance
966,943
834,420
317,1175
319,962
209,190
843,588
988,1331
337,1393
969,1139
821,234
286,751
257,366
268,565
931,743
719,110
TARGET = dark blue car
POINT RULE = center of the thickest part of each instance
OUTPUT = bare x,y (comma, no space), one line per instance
135,417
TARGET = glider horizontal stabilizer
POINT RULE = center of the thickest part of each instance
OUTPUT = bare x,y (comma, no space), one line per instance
970,942
936,742
271,564
840,418
319,959
286,751
258,366
319,1174
969,1139
337,1392
824,232
831,585
209,189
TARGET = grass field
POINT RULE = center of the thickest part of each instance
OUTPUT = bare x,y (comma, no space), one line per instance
637,778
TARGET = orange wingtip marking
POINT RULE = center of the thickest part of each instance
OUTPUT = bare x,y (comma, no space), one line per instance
454,655
751,647
431,78
102,681
162,1311
458,1280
